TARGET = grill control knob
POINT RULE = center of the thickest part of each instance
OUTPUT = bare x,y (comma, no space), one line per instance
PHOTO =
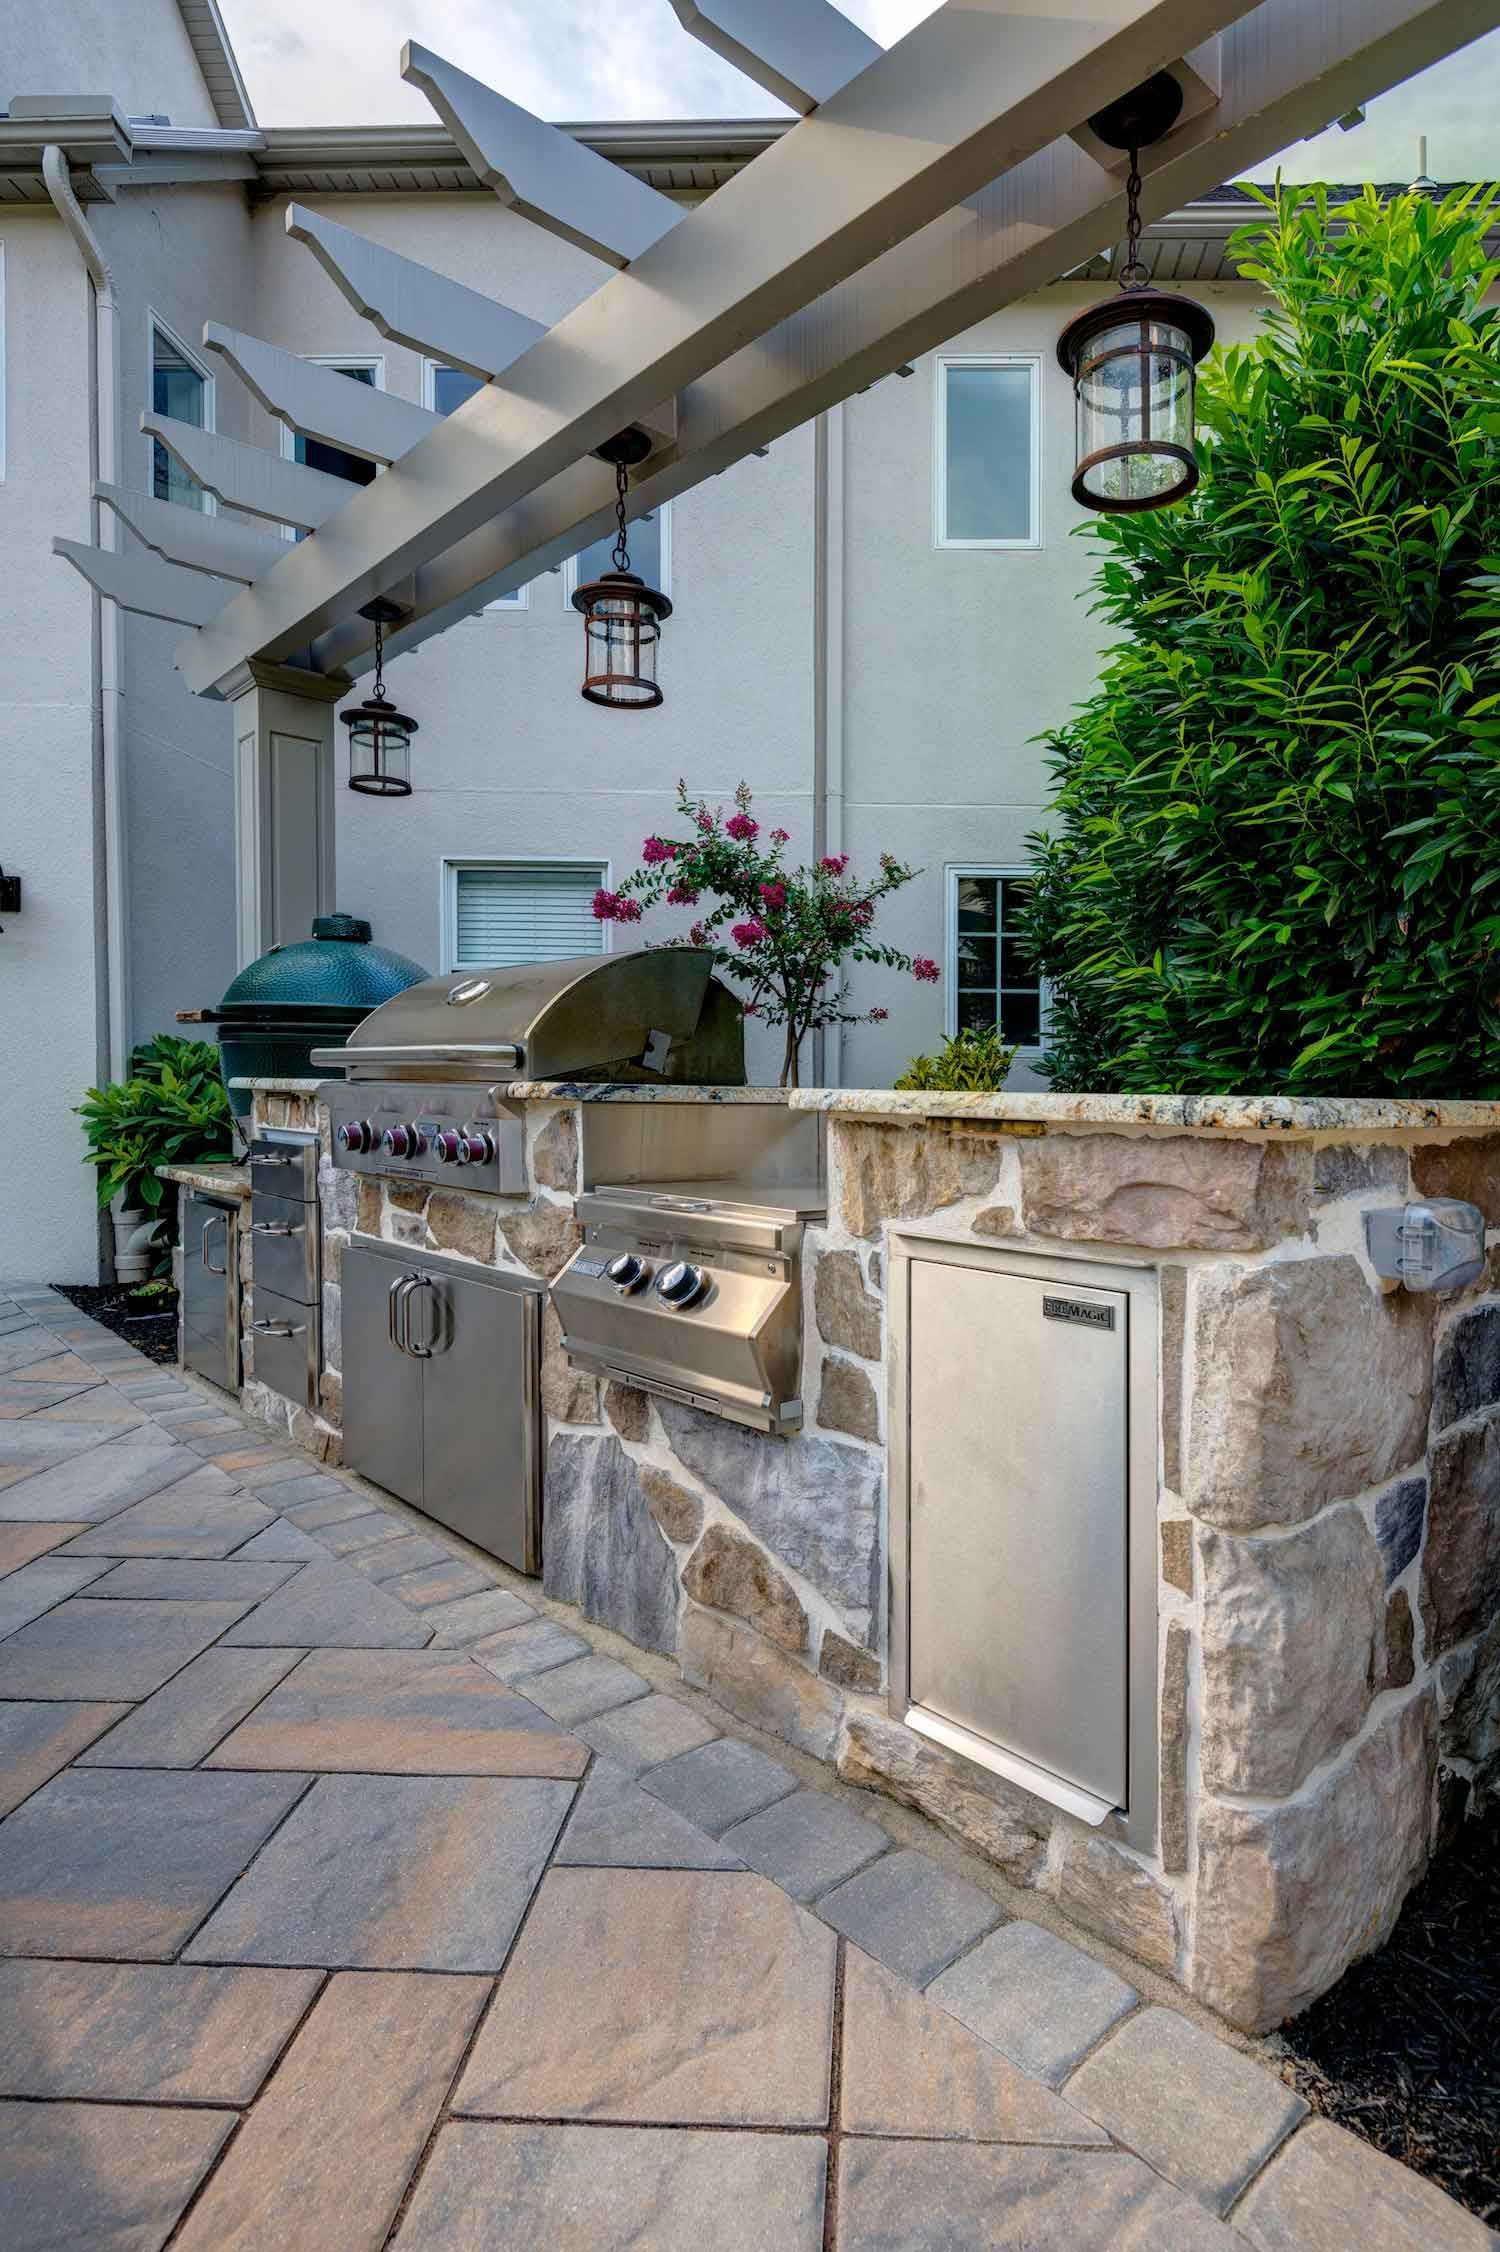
356,1135
403,1141
447,1146
476,1149
627,1273
681,1285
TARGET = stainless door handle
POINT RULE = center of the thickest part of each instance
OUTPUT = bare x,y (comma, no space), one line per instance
275,1227
278,1328
422,1352
203,1258
395,1299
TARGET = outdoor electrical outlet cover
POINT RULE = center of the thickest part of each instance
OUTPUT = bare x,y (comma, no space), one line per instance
1435,1245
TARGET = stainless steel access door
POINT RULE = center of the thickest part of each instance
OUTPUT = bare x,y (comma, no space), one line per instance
210,1290
1017,1551
1022,1518
442,1392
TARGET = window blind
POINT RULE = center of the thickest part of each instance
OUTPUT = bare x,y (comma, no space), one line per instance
516,913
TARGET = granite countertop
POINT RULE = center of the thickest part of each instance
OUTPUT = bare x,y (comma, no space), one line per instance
563,1090
1280,1114
209,1180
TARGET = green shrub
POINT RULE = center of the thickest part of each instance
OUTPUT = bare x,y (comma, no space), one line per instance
1275,844
975,1062
172,1110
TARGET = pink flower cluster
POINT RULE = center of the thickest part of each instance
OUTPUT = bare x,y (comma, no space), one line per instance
682,895
878,1016
611,907
774,896
781,836
925,971
748,934
741,828
655,850
834,863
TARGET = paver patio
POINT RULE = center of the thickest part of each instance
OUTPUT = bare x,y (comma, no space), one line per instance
346,1901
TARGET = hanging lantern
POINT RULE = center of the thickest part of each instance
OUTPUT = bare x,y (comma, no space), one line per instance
379,735
1132,359
622,616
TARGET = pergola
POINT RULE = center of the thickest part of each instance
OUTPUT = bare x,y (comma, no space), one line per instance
922,188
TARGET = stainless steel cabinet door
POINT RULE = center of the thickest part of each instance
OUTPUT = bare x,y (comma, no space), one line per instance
382,1384
210,1343
480,1412
1019,1532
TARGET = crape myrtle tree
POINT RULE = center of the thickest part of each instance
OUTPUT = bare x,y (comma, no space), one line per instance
1273,859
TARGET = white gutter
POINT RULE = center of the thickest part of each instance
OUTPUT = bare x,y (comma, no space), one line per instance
104,447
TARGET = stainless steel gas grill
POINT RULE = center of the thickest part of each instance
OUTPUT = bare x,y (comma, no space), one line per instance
426,1072
693,1292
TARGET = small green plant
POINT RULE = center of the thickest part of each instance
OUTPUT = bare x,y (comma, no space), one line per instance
172,1110
975,1062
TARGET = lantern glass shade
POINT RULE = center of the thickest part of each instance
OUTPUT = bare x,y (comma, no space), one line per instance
622,620
1132,362
380,748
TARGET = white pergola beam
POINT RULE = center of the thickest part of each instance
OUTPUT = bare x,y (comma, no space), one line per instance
974,89
319,401
248,477
191,537
141,584
799,50
545,175
1279,73
410,304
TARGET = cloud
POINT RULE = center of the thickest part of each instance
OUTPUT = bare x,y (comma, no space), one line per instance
577,59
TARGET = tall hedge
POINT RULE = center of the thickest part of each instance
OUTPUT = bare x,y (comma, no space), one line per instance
1273,859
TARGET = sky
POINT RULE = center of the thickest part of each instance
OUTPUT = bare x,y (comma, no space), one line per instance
339,63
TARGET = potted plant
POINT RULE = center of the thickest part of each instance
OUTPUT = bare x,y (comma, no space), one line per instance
172,1110
791,931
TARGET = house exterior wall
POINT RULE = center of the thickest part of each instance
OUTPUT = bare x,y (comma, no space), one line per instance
142,56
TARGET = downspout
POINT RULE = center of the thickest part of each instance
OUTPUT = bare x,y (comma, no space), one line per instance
828,680
111,933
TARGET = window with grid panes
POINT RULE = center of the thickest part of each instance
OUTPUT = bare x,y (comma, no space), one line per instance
504,912
992,980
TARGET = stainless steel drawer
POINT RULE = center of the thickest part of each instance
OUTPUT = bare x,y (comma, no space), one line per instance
285,1165
210,1306
284,1346
284,1247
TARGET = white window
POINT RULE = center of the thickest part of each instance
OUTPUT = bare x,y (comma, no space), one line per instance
443,389
497,912
333,460
649,539
988,466
990,976
181,387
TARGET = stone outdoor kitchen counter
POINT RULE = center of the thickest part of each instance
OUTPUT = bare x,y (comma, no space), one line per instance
1326,1581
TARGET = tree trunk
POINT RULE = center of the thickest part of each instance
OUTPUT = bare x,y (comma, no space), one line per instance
791,1057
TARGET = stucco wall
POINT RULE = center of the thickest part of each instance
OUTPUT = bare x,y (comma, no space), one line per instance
47,974
139,53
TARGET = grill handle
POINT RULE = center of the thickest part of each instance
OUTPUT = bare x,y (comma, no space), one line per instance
277,1328
505,1055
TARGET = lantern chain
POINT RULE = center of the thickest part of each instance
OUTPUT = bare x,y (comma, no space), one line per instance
620,554
379,689
1134,274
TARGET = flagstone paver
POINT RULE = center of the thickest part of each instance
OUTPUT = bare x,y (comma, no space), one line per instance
567,2188
911,2069
1202,2115
256,1897
910,1914
182,1722
1041,2001
124,1865
937,2197
727,2023
326,2154
719,1784
399,1712
38,1740
116,2175
618,1825
387,1872
145,2032
327,1605
808,1843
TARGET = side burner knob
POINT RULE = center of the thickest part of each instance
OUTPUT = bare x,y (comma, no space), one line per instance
681,1285
356,1135
477,1148
403,1141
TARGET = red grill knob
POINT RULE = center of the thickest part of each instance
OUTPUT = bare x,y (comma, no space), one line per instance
476,1149
403,1141
447,1146
356,1135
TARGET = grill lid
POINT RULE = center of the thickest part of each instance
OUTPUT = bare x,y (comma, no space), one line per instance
658,1014
334,976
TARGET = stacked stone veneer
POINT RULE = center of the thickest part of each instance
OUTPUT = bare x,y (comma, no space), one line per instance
1329,1512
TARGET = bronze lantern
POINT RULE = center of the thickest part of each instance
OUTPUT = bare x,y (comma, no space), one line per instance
622,616
1133,358
379,735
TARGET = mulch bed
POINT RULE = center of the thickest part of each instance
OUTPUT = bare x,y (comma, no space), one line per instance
153,1333
1405,2050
